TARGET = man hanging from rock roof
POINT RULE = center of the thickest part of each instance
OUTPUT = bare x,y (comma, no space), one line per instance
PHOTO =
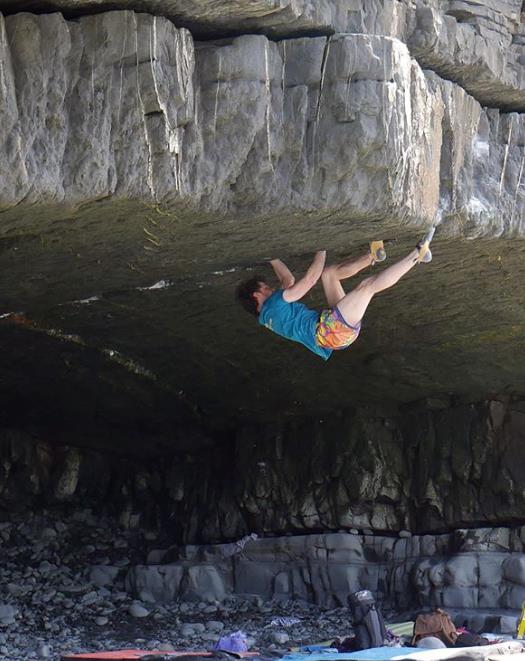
338,326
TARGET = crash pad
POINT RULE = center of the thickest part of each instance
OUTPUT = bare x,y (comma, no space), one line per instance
381,653
401,628
398,629
511,648
114,655
126,655
372,654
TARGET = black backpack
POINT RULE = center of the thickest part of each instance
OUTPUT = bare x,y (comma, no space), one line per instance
367,621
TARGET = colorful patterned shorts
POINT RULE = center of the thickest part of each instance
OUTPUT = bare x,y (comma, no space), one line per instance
333,332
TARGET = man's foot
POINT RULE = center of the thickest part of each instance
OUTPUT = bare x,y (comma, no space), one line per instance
377,251
423,247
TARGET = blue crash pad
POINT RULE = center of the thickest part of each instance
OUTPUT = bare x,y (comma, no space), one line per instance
373,654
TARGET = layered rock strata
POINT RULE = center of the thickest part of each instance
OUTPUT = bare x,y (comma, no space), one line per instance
424,470
477,44
478,573
140,161
77,580
127,107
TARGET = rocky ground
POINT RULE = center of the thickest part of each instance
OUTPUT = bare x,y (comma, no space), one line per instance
62,589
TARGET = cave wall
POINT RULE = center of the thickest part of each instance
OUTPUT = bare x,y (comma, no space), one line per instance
430,468
476,573
70,571
421,504
151,157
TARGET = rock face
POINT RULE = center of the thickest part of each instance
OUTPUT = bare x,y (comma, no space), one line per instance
187,144
79,572
434,467
422,470
147,169
75,579
154,155
348,124
466,571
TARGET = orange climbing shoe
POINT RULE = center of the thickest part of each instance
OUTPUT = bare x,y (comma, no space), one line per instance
423,247
377,250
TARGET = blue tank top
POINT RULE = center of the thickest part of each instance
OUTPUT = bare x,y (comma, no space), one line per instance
294,321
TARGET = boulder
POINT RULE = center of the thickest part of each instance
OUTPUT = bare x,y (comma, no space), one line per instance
160,581
102,575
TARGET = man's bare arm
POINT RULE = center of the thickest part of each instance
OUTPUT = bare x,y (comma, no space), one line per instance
303,286
283,273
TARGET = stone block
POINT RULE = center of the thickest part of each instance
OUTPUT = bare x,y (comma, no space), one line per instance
281,585
400,548
102,575
345,578
482,539
428,545
161,581
490,595
155,556
508,624
461,571
460,597
491,568
513,596
257,577
514,569
437,573
204,583
344,548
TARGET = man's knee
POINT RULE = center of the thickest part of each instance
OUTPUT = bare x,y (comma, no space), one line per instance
328,274
368,284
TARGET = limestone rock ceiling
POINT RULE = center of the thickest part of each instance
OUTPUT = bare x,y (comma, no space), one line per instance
477,43
145,172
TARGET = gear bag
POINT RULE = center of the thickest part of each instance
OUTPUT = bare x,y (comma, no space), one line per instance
367,620
438,624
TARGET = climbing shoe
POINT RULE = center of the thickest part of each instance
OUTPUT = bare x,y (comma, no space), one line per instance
423,247
377,250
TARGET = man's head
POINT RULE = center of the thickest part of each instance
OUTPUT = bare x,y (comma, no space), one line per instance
252,293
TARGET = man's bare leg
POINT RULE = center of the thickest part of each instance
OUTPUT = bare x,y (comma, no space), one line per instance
354,304
332,276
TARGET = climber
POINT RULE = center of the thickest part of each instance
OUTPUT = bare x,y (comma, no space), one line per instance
338,326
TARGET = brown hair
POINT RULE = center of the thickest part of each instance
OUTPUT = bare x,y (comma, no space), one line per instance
245,291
